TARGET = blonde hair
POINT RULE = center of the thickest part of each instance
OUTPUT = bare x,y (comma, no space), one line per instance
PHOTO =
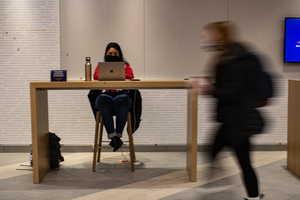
226,28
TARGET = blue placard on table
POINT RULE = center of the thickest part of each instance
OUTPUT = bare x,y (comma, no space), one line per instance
58,75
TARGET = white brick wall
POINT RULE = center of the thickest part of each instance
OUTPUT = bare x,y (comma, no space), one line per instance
30,48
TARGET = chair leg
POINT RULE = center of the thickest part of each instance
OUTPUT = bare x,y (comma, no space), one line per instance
96,140
100,139
131,144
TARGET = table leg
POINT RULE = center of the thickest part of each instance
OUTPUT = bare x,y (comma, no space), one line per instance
191,146
293,139
40,136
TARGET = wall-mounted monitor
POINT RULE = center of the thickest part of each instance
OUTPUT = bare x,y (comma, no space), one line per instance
292,40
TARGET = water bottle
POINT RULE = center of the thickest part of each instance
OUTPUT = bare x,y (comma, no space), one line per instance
88,69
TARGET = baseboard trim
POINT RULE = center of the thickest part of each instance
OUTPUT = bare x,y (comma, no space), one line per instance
138,148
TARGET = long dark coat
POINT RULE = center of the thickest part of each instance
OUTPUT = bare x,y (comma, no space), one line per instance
235,95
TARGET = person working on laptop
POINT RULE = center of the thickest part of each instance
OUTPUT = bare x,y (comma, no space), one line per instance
114,101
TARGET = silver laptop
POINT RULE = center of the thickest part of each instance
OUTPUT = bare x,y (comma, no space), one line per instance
111,71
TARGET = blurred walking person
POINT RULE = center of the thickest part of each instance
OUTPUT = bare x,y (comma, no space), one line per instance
236,110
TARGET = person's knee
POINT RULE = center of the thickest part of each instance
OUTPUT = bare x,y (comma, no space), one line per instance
122,104
103,102
103,99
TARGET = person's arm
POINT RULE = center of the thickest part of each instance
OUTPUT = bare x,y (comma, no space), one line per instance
128,72
233,85
96,73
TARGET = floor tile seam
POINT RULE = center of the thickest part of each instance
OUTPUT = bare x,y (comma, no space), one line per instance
274,186
66,164
279,171
265,156
283,192
261,159
160,194
233,162
241,196
291,179
296,177
228,160
135,186
292,198
140,192
206,182
183,186
40,196
269,162
14,165
256,167
7,184
10,171
235,195
95,196
275,157
15,194
254,158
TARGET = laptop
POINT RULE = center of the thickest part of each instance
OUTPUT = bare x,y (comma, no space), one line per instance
111,71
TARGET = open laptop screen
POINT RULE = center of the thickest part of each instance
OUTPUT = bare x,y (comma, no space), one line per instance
111,71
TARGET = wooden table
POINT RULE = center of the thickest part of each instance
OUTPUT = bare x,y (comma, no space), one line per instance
40,119
293,140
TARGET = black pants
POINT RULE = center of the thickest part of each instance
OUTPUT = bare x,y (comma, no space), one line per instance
243,155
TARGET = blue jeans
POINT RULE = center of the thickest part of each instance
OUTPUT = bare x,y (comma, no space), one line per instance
108,106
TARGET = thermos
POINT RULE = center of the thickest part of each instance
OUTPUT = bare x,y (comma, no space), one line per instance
88,69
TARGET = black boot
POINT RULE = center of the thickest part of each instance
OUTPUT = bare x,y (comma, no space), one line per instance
116,142
111,144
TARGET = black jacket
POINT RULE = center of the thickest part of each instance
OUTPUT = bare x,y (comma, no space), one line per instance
235,95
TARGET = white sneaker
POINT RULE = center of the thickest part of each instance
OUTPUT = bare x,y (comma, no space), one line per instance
260,197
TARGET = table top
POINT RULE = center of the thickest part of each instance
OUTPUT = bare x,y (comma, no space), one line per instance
95,84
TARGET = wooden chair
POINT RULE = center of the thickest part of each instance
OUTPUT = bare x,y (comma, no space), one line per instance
97,147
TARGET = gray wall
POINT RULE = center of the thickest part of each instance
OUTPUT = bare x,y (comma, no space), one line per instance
161,38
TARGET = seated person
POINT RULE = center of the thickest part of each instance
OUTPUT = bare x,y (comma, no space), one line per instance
114,101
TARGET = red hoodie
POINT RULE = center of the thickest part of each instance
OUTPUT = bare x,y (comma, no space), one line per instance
128,75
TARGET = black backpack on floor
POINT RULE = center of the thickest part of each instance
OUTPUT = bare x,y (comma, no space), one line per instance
54,150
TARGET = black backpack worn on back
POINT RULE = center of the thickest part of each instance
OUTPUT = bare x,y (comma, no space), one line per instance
135,109
261,81
54,149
